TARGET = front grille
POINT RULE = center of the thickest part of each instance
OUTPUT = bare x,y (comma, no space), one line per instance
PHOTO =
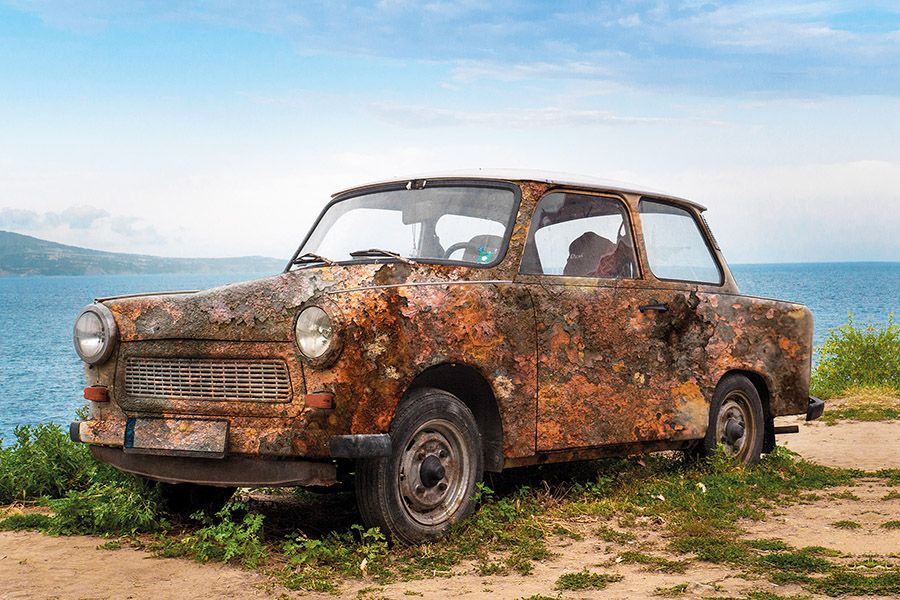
202,379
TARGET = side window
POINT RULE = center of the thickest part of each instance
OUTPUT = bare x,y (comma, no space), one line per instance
676,247
579,236
454,234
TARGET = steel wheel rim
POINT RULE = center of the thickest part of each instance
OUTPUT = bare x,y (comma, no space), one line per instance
434,472
735,429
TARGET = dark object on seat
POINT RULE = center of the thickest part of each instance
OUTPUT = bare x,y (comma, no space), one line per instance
585,253
482,249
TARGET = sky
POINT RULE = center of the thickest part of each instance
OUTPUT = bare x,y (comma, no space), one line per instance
221,128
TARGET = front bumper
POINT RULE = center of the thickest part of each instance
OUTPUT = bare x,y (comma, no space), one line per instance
814,409
233,471
105,440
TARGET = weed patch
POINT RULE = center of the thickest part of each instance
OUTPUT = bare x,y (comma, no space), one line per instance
845,495
608,534
846,524
585,580
845,582
862,411
800,561
671,592
25,522
231,535
653,563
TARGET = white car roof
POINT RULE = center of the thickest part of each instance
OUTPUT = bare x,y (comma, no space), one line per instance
566,179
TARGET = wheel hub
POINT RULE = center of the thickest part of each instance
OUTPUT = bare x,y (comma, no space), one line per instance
434,472
731,427
734,430
431,471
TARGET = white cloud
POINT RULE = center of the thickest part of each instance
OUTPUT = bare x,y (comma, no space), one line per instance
86,226
551,116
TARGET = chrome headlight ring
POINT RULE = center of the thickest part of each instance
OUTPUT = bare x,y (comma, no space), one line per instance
94,334
317,332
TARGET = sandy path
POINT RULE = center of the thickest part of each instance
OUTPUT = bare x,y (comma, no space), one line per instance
34,565
867,446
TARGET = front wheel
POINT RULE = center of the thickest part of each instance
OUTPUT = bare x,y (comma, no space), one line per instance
736,420
428,482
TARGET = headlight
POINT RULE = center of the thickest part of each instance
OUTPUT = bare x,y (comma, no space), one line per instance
94,334
314,332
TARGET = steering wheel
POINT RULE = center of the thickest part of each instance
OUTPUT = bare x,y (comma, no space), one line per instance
458,246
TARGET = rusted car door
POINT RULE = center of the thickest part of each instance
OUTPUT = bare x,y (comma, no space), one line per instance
579,246
668,324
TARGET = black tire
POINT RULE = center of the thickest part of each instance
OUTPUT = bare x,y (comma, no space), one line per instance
428,482
188,498
736,420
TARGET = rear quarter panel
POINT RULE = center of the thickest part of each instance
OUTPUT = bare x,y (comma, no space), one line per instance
768,337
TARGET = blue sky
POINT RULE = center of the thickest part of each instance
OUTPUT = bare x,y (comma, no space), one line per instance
220,128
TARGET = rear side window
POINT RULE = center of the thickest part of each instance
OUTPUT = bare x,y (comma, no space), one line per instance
676,246
579,235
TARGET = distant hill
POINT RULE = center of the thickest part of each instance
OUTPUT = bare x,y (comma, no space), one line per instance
26,255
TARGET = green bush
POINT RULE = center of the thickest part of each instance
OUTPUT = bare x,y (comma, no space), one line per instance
43,462
232,535
125,507
852,356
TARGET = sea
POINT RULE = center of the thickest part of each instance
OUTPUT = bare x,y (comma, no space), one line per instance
41,377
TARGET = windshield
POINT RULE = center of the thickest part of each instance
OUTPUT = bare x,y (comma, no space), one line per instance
456,223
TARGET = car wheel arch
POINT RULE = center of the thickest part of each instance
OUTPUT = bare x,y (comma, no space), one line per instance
761,383
475,391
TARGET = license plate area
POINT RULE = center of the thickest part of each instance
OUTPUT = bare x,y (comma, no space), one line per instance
176,437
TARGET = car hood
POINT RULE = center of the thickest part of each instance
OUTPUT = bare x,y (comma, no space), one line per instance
259,310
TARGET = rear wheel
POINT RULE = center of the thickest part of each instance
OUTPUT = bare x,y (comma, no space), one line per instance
736,420
428,482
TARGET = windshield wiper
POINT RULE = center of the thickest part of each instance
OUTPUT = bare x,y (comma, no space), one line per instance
380,252
309,258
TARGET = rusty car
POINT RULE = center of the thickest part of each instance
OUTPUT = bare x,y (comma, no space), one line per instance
430,329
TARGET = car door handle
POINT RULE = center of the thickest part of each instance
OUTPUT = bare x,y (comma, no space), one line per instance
659,307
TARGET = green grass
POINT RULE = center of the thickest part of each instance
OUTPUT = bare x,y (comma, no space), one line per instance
859,356
760,595
25,522
653,563
769,545
608,534
890,525
671,591
846,524
863,411
845,495
586,580
845,583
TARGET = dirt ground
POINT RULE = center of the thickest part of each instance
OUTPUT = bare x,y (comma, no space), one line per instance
34,565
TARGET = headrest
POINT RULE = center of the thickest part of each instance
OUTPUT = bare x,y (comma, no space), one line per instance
585,253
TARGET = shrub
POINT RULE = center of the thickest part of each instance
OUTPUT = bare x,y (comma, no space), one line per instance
859,356
232,535
43,462
105,508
